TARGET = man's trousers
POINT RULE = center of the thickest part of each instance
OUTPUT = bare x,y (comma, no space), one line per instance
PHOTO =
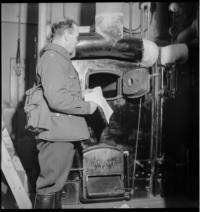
55,160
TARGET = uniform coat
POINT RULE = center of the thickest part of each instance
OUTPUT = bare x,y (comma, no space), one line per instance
62,92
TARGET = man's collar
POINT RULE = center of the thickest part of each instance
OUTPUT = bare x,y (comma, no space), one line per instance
61,50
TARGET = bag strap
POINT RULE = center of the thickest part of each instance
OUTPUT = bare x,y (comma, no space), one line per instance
29,91
37,78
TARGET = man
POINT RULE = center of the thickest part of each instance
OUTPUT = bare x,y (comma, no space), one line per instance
62,92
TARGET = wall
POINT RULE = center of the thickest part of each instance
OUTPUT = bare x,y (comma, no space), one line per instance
11,83
28,30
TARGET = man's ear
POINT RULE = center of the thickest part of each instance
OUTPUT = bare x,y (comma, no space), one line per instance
66,35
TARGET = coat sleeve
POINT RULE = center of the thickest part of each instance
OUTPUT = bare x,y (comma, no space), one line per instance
58,88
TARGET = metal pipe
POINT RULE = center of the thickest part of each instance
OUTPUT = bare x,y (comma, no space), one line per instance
161,111
130,17
42,26
130,49
141,22
174,53
137,139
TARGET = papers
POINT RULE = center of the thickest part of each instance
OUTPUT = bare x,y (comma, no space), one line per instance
96,95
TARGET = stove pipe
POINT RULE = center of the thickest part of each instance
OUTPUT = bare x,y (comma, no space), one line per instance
109,42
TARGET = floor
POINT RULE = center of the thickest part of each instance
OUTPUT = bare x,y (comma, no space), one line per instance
150,202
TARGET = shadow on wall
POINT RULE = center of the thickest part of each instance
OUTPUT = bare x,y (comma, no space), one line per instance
24,141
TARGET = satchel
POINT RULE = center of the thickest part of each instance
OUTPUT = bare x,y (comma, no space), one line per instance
35,105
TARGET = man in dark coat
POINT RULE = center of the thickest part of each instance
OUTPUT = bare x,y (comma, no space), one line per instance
66,124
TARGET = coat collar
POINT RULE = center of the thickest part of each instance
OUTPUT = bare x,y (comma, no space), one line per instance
61,50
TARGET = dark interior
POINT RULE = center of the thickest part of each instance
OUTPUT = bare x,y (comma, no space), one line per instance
107,81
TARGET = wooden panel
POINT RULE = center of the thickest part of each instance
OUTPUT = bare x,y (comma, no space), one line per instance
14,171
8,116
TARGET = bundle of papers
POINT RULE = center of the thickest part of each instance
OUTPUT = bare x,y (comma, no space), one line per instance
96,95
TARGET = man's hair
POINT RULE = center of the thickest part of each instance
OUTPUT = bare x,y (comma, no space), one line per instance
58,28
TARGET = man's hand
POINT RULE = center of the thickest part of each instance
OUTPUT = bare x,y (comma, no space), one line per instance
87,91
93,107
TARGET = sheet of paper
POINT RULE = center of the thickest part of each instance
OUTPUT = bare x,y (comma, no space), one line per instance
96,95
